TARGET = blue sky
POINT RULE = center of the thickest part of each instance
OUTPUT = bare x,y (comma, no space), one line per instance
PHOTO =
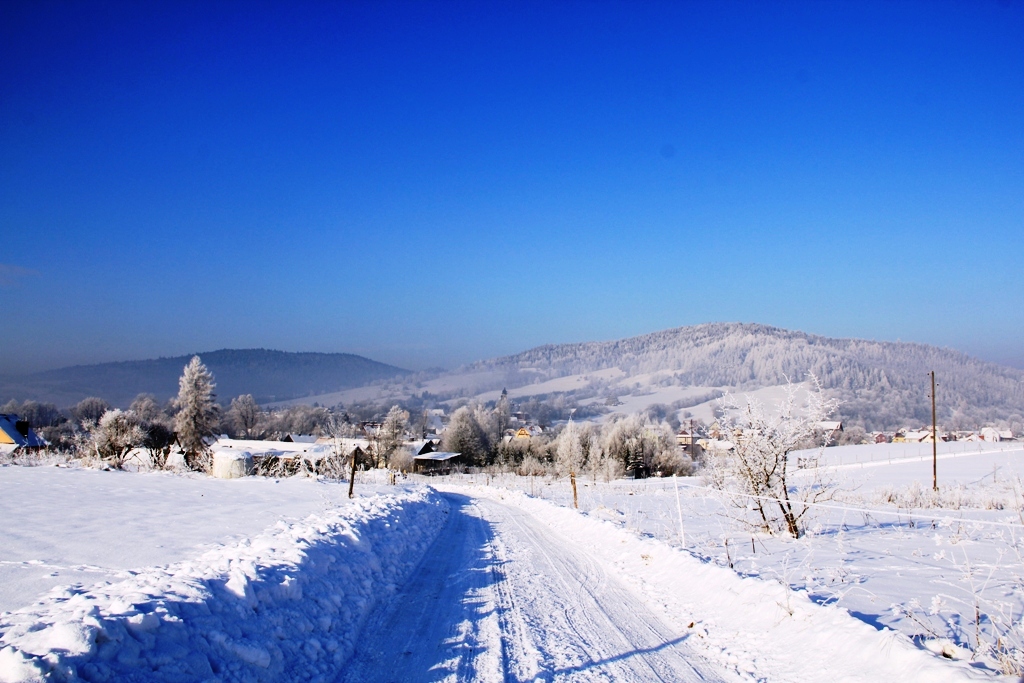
432,183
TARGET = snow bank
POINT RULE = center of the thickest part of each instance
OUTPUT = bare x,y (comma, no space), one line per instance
761,629
285,604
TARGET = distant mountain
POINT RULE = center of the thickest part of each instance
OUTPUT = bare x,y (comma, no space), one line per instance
267,375
881,384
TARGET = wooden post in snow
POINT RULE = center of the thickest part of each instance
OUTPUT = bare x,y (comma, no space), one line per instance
352,477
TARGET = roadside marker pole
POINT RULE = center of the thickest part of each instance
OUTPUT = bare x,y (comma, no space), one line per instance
679,510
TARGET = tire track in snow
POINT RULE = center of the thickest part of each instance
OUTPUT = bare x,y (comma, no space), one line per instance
443,624
499,598
616,637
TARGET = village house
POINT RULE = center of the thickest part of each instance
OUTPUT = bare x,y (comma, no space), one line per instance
437,463
528,432
16,433
830,429
993,434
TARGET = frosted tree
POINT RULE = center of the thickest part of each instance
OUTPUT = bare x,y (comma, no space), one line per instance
488,421
300,419
668,457
335,464
246,416
197,414
569,455
90,410
116,434
756,471
640,444
392,433
464,435
623,440
146,407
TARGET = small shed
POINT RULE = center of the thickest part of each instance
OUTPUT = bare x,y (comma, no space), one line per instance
436,463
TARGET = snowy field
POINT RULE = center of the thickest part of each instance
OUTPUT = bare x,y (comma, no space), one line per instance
885,551
70,525
114,576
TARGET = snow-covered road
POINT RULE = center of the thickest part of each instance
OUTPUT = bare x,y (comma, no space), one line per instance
499,596
472,583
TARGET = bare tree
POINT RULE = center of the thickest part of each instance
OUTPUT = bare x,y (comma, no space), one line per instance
146,407
39,415
90,410
246,416
158,443
197,414
569,455
757,471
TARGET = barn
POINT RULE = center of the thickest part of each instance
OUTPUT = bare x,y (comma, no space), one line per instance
436,463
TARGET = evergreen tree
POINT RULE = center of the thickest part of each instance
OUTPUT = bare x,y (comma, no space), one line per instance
197,414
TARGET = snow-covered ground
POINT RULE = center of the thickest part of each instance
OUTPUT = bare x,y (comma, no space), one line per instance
135,576
905,565
579,598
73,525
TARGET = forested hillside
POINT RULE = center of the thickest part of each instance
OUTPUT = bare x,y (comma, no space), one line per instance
267,375
881,384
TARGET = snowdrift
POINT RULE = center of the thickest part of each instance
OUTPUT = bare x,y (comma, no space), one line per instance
284,605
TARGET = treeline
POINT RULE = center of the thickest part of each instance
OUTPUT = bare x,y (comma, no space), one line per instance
479,432
188,423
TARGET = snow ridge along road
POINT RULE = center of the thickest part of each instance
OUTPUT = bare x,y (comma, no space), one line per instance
284,605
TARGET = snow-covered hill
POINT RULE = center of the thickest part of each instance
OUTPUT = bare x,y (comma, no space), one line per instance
882,385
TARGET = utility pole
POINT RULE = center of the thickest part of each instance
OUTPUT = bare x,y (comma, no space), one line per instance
935,439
